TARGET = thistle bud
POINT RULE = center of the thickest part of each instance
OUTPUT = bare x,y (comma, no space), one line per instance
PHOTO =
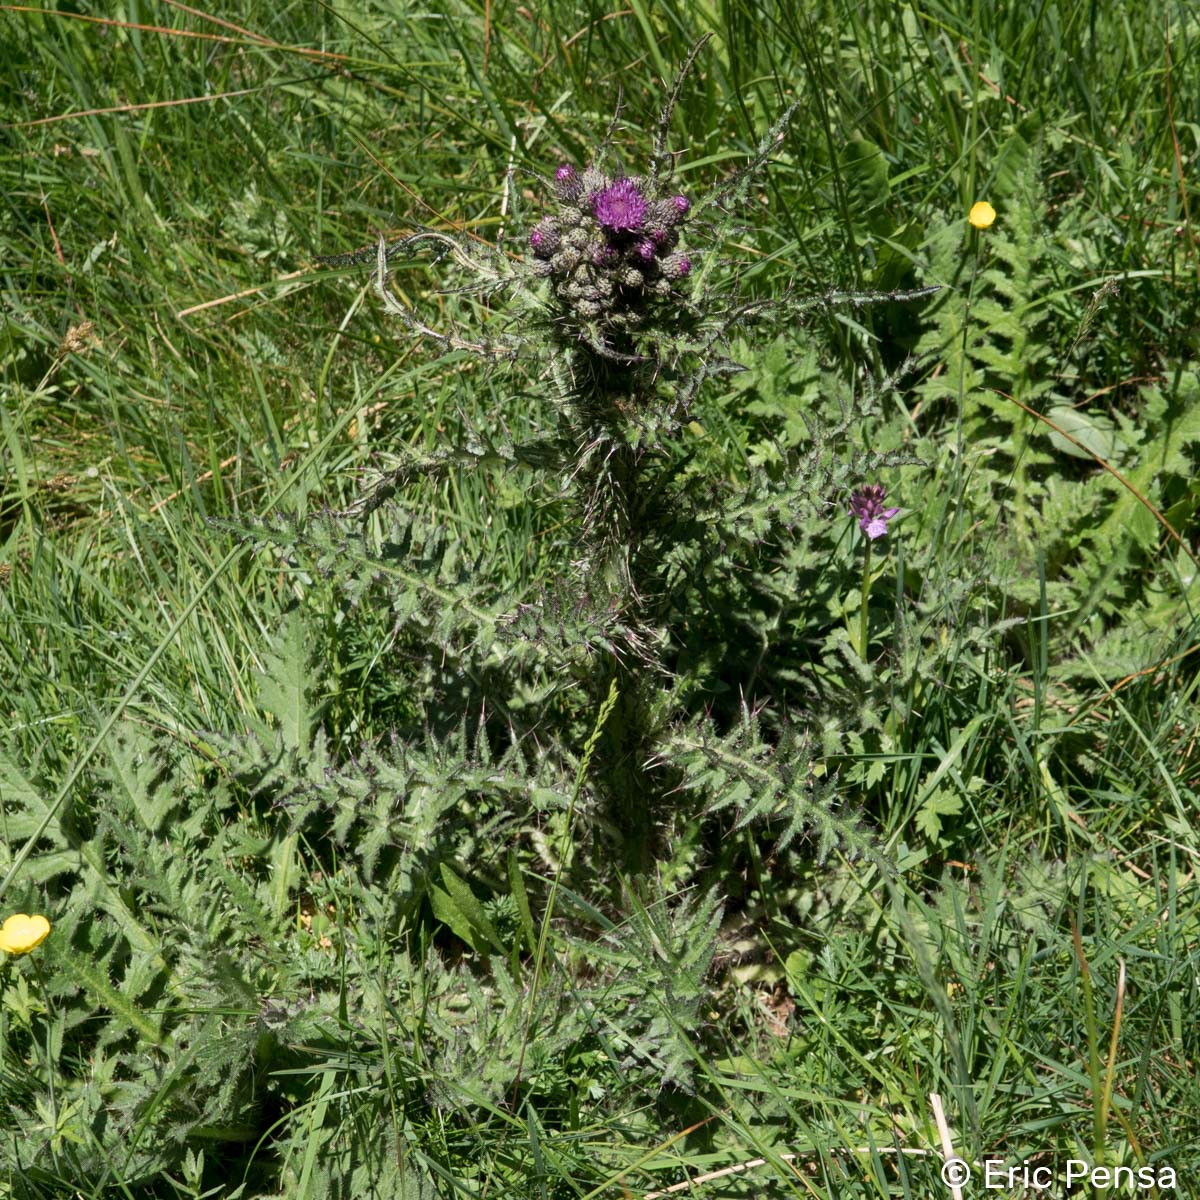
545,239
665,239
567,183
565,261
591,182
676,266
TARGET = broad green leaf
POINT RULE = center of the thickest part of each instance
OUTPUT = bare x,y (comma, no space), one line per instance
1093,432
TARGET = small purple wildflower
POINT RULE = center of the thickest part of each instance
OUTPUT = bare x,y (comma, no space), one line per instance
605,256
620,207
867,505
645,250
681,204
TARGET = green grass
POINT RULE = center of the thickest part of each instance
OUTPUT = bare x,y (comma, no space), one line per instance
245,993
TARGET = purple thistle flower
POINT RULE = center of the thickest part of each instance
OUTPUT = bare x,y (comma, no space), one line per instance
681,204
867,505
620,207
605,256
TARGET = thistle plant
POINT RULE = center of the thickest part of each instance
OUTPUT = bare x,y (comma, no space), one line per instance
614,293
629,333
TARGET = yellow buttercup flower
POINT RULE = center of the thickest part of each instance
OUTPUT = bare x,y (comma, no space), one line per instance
20,933
981,214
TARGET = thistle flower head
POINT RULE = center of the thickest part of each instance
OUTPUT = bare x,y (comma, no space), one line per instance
867,505
677,266
620,207
544,240
610,246
566,260
567,183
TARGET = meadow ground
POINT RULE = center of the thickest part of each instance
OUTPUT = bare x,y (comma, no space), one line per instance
460,738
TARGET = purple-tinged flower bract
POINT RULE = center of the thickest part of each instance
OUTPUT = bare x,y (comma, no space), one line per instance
620,207
545,239
567,183
677,266
867,505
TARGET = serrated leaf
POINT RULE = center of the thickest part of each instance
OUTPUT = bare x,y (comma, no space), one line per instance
520,897
139,778
95,979
940,804
22,810
283,683
1013,157
459,908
